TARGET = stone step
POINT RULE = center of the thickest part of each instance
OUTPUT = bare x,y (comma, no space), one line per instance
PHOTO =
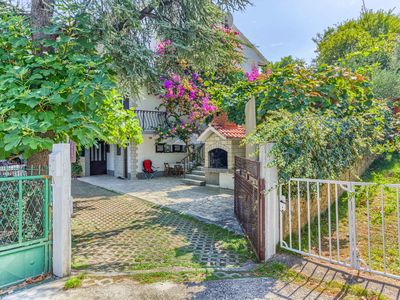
196,177
194,182
199,173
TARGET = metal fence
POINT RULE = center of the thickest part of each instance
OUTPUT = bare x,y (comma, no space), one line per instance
249,202
15,170
354,224
25,231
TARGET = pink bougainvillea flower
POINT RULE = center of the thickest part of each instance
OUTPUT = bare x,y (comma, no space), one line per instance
160,48
253,75
192,95
176,78
168,84
181,90
170,94
190,102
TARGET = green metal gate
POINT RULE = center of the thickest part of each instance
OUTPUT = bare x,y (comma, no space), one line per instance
25,227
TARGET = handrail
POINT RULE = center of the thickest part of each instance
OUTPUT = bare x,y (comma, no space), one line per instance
192,160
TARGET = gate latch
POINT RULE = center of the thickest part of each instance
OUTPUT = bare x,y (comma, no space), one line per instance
282,201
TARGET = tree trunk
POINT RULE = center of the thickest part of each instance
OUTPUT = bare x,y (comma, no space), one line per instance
39,159
41,14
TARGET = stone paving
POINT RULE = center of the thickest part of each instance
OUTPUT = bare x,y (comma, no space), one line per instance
120,233
209,204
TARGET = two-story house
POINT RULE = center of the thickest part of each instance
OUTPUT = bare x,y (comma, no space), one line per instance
127,163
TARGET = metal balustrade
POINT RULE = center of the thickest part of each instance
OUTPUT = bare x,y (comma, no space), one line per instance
150,120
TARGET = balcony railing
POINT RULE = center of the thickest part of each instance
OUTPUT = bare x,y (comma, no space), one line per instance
151,119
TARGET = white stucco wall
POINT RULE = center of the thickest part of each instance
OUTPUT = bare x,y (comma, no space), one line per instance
147,150
118,163
129,159
145,101
251,59
110,158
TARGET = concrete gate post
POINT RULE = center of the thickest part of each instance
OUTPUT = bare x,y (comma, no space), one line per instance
60,170
270,175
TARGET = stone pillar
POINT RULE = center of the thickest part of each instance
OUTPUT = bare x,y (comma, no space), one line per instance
271,201
60,170
251,125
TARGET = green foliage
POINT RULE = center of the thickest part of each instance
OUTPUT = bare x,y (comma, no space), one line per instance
74,281
76,169
174,276
365,41
285,61
296,87
320,119
127,31
386,82
69,91
313,145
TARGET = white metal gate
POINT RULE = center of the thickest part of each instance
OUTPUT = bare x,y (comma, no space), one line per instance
354,224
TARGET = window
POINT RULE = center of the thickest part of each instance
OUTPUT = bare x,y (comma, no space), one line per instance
119,150
178,148
160,148
107,148
168,148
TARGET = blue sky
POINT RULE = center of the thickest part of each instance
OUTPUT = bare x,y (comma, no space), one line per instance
286,27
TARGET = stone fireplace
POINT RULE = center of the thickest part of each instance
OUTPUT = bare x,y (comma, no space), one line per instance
218,159
222,142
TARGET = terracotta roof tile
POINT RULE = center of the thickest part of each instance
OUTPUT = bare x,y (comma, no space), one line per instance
228,129
231,131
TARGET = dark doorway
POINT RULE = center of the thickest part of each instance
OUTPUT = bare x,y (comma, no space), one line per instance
218,159
126,162
98,159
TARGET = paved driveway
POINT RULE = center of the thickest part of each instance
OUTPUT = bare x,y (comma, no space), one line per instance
119,233
212,205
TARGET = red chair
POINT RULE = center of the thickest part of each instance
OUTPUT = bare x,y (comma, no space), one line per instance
148,169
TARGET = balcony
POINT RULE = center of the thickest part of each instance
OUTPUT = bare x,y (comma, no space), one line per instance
150,119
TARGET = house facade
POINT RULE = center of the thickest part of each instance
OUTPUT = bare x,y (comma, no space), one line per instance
127,163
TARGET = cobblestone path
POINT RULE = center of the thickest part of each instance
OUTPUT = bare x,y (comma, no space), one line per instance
117,233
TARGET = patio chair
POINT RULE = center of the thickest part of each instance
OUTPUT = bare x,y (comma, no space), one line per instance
168,171
148,169
178,170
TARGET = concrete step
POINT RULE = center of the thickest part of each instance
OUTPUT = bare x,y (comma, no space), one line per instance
196,177
194,182
199,173
199,168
